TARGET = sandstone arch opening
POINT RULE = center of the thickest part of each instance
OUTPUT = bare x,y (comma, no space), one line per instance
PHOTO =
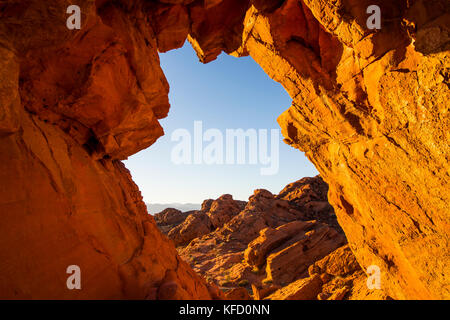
369,109
227,94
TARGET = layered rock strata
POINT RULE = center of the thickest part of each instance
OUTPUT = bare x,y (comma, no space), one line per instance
266,246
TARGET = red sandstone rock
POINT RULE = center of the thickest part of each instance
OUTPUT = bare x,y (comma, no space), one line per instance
71,104
223,209
292,259
303,289
214,214
171,24
195,225
310,195
269,239
369,110
260,293
343,278
266,245
237,294
169,218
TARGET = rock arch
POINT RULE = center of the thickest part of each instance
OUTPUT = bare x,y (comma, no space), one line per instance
369,109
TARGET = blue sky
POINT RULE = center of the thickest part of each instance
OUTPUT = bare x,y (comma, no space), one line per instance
228,93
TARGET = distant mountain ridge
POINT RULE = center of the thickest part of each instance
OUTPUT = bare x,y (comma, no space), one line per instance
158,207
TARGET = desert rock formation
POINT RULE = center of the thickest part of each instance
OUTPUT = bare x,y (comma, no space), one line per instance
213,214
170,218
335,277
370,110
268,245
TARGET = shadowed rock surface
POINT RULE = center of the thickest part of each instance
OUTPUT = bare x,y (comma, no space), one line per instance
170,218
213,214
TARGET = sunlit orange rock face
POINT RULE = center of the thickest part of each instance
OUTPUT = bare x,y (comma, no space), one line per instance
370,109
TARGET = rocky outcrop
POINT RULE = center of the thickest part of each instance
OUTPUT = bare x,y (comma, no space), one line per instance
195,225
266,246
337,276
310,195
343,278
223,210
302,289
370,110
213,214
169,218
292,258
237,294
289,249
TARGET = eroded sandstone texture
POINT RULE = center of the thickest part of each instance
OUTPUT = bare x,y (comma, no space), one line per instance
266,245
279,247
72,103
370,109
